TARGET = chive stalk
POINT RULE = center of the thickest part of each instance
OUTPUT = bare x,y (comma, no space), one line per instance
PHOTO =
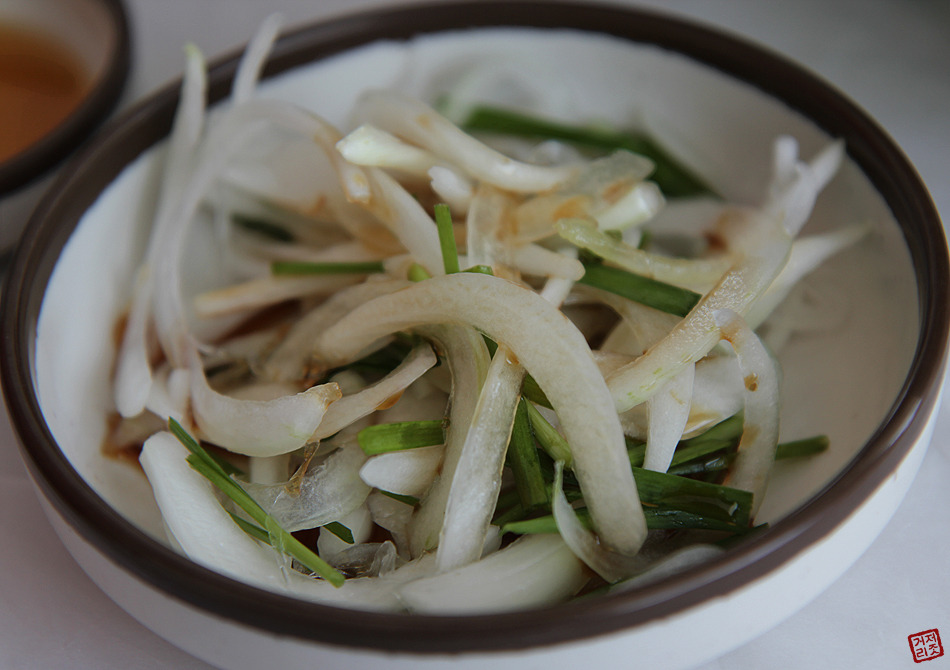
418,273
386,437
547,436
522,458
443,222
657,519
650,292
340,531
285,268
262,227
673,179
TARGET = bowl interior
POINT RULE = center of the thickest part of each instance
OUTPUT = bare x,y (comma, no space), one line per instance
720,126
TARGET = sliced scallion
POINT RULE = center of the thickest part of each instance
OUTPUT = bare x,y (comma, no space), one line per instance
340,531
522,458
288,268
386,437
650,292
443,222
674,179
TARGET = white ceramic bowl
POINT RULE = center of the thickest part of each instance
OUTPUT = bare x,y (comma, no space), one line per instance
96,34
870,383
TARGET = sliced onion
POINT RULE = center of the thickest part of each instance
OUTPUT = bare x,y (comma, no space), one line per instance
673,564
360,524
667,415
477,479
410,472
696,274
370,146
760,426
485,215
200,526
402,214
257,427
352,407
467,359
553,351
252,60
533,571
394,516
420,124
582,542
452,187
266,291
326,493
133,376
807,254
698,333
290,358
533,259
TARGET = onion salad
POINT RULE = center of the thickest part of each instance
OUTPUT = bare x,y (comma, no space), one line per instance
452,361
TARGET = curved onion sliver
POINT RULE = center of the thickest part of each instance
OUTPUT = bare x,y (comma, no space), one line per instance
553,351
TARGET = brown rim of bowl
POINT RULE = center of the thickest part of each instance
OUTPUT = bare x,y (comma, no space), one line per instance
102,98
86,176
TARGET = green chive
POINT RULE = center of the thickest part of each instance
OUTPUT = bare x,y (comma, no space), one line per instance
251,529
481,269
262,227
418,273
386,437
340,531
522,458
673,179
650,292
712,500
412,501
805,447
282,268
443,222
547,436
656,518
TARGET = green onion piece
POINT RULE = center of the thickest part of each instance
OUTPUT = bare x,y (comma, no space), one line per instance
443,222
650,292
646,236
715,463
657,519
529,387
636,451
340,531
262,227
386,437
805,447
412,501
533,392
418,273
712,500
251,529
672,178
282,268
547,436
280,539
727,429
481,269
522,458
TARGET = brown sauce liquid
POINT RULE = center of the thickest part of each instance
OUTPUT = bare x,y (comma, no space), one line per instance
41,83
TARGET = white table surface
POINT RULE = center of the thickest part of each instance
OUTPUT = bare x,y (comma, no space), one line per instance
891,56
